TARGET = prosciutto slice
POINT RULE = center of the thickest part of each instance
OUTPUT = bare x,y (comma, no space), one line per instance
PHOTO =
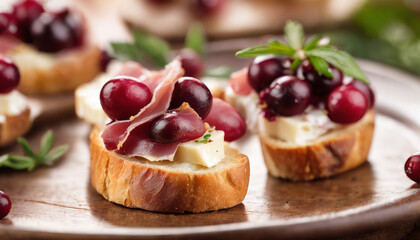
239,82
130,137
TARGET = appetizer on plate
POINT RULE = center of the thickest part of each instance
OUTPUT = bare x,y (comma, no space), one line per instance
157,153
312,106
14,111
51,48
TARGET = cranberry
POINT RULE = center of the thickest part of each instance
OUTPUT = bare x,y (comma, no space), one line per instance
365,89
207,7
176,126
5,204
321,85
264,69
194,92
346,104
74,22
191,63
288,96
226,118
122,98
9,75
105,60
25,13
5,21
412,167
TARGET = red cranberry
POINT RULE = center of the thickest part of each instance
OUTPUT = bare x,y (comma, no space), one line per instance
207,7
191,63
321,85
176,126
9,75
365,89
412,167
25,13
288,96
226,118
122,98
105,60
195,93
264,69
346,104
5,205
73,20
5,21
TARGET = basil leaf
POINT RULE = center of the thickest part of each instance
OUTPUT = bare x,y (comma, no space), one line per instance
312,43
26,148
56,153
273,48
126,52
295,64
195,39
294,34
321,66
223,72
46,143
340,60
155,48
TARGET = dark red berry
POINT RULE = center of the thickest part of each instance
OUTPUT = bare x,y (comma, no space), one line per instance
265,69
288,96
365,89
412,167
5,205
195,93
346,104
5,21
122,98
207,7
321,85
176,126
9,75
25,13
226,118
191,63
74,22
105,60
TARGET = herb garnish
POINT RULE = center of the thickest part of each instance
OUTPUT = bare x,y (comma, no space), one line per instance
319,56
206,139
45,156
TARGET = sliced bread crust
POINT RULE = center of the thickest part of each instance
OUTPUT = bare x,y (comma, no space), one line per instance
14,126
337,151
168,187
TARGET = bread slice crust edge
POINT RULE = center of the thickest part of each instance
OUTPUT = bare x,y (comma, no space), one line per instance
14,126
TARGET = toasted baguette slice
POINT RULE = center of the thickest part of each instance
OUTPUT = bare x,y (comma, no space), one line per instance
43,73
14,126
169,187
337,151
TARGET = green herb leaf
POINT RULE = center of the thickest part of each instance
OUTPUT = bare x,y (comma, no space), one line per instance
26,148
273,48
340,60
219,72
155,48
207,136
321,66
295,64
126,52
20,162
206,139
56,153
294,34
46,143
312,43
195,39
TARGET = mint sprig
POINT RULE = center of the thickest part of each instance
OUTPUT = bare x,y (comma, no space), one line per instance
195,39
319,56
45,156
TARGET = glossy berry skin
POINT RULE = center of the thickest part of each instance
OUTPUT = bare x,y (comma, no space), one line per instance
412,167
5,21
73,20
226,118
176,126
207,7
5,204
191,63
321,85
265,69
288,96
365,89
346,105
9,76
25,13
195,93
122,98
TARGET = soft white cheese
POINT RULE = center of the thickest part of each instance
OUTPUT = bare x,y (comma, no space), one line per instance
206,152
12,103
247,106
298,129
